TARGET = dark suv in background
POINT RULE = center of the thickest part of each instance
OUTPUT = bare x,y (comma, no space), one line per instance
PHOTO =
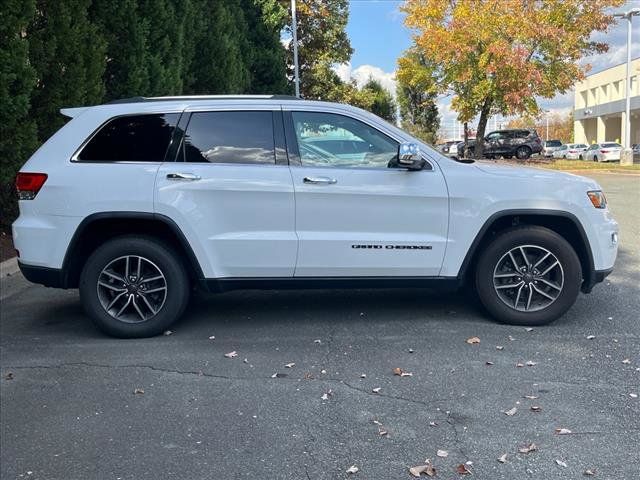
519,143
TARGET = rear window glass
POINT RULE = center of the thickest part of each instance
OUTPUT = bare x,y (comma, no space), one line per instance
230,137
553,143
132,138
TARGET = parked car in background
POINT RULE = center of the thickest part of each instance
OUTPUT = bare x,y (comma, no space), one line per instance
603,152
450,148
570,151
519,143
636,152
549,147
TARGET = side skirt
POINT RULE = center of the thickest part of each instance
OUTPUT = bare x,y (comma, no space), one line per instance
445,284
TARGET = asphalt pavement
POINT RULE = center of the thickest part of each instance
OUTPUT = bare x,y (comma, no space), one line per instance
78,405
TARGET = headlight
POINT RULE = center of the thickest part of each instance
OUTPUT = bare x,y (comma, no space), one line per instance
597,199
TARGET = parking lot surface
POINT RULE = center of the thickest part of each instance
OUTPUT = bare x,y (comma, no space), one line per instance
78,405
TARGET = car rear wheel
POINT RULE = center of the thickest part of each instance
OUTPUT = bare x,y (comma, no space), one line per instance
134,287
595,158
528,276
523,152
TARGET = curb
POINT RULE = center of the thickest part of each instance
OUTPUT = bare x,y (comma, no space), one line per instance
9,267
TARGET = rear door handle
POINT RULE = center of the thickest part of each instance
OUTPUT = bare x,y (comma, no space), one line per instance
182,176
320,180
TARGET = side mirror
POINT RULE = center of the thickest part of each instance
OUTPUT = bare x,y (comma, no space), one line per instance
409,156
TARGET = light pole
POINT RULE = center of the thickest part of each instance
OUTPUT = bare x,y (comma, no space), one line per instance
627,153
294,29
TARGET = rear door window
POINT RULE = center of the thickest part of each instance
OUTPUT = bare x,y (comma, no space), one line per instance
131,138
230,137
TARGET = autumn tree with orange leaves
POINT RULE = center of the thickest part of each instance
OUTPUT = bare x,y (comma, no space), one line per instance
496,56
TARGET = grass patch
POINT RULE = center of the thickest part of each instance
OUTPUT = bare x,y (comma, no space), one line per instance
585,165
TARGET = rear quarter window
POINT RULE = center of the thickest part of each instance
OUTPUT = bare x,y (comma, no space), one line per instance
131,138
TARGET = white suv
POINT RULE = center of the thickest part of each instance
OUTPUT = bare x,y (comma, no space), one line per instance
138,201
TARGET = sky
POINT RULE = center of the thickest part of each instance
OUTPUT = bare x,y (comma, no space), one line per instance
378,37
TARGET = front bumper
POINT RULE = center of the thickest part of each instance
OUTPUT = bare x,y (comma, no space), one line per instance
597,276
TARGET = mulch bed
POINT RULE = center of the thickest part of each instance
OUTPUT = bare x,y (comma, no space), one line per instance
6,247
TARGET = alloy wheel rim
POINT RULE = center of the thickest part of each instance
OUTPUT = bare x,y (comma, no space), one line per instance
528,278
132,289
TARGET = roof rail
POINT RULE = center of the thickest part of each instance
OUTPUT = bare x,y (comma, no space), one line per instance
202,97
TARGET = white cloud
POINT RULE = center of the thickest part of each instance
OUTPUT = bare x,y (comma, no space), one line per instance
363,73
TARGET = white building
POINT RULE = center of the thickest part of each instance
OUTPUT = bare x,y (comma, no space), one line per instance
599,106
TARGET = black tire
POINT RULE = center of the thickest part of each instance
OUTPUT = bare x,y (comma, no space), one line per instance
523,152
529,236
507,157
158,255
580,157
595,158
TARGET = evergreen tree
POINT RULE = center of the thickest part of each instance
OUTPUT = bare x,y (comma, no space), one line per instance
383,103
126,32
17,79
68,54
266,60
166,40
217,62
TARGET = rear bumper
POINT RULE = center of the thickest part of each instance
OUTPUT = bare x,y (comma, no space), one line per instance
49,277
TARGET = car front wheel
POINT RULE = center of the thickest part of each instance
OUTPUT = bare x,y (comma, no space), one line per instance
134,287
528,276
523,152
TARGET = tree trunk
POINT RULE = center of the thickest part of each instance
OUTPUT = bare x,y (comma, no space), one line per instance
482,126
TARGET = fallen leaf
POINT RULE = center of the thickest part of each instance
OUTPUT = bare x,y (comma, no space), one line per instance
519,365
529,329
561,463
246,360
406,374
352,469
528,448
530,363
275,375
9,376
289,365
511,412
511,338
433,424
401,373
588,472
536,408
499,347
489,363
317,340
463,470
376,390
377,422
324,396
397,371
382,431
503,458
626,361
411,350
530,397
363,375
428,469
231,354
563,431
590,337
212,337
138,391
472,340
323,371
633,395
442,453
167,333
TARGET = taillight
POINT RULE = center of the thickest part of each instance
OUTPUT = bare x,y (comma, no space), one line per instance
573,151
29,184
604,151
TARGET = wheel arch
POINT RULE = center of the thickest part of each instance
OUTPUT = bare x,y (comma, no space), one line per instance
96,228
563,223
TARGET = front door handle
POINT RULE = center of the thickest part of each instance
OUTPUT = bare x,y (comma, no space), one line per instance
320,180
182,176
